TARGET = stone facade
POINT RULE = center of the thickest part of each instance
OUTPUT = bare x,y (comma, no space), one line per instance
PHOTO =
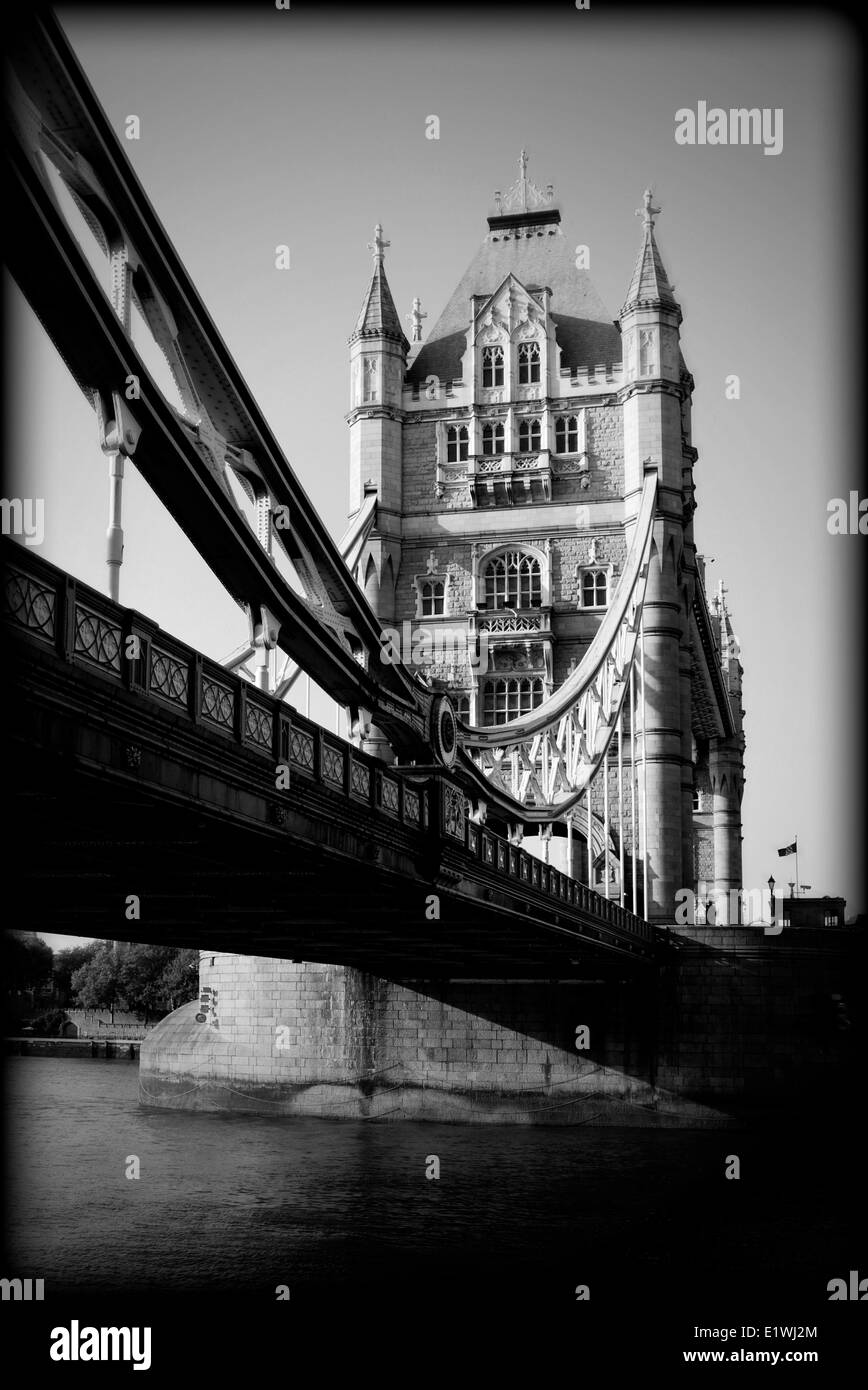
525,422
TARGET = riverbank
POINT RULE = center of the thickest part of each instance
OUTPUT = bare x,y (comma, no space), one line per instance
71,1047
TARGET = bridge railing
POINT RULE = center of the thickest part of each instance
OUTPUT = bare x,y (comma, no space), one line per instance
507,860
123,646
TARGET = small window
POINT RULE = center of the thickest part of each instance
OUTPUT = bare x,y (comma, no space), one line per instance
433,597
508,699
567,435
456,444
528,363
492,439
595,589
529,436
830,919
647,352
697,800
462,705
492,366
370,368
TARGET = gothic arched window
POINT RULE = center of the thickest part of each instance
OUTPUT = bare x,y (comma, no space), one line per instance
433,595
492,366
456,444
529,436
528,363
513,580
509,698
595,589
492,439
567,435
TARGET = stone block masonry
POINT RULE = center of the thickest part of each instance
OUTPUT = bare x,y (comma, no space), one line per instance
688,1045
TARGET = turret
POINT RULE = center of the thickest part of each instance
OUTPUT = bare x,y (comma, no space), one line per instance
652,400
726,763
378,361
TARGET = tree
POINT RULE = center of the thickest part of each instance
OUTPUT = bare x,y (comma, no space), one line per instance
27,961
96,984
158,978
146,979
65,965
181,978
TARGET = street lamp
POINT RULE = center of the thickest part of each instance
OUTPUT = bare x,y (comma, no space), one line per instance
772,898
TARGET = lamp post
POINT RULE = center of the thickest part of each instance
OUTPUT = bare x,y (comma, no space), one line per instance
772,899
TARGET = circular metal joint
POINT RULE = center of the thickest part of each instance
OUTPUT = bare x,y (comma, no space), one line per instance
444,730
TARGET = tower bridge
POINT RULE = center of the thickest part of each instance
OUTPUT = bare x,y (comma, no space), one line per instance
489,865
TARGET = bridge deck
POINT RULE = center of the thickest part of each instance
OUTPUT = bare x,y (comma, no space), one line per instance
240,825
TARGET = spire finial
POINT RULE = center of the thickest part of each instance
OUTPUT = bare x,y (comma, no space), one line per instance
647,212
522,176
523,196
378,245
416,316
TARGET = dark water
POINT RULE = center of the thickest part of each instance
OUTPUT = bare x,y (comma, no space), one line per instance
243,1204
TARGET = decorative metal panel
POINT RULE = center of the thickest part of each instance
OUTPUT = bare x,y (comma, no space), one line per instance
454,806
332,765
97,639
30,604
412,807
169,677
389,795
258,725
218,704
360,779
301,749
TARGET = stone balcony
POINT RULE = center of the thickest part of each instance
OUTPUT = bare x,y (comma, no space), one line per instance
504,479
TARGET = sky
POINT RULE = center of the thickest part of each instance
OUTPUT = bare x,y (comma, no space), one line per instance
305,127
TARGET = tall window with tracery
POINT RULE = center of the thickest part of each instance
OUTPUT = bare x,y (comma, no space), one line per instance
528,363
510,697
529,436
492,366
513,580
492,439
456,443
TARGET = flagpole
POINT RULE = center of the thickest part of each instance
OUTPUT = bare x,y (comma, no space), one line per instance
796,843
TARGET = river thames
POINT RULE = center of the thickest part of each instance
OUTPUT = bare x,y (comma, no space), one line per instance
246,1204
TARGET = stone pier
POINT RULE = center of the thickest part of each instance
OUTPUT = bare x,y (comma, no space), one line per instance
687,1045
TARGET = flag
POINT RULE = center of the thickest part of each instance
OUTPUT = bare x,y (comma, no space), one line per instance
787,849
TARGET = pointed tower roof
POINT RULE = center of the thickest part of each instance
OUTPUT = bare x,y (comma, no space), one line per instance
524,239
379,317
650,284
